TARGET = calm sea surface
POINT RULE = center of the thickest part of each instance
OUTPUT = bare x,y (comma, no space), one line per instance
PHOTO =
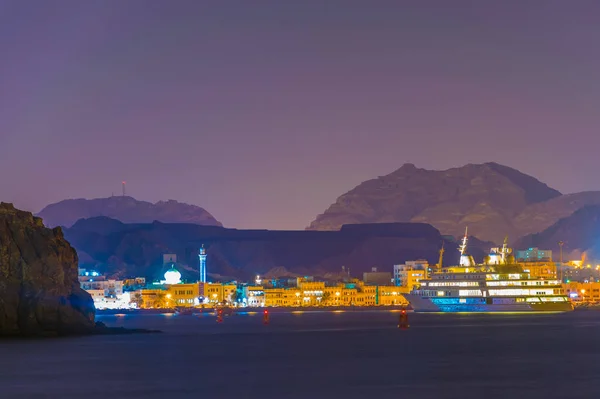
315,355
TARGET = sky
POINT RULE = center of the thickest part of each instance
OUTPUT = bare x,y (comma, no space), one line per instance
264,112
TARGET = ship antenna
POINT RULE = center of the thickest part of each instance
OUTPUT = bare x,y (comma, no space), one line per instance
441,256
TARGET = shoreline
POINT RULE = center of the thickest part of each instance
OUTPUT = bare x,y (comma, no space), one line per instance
255,310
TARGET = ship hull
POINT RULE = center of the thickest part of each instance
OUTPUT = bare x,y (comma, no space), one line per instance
470,305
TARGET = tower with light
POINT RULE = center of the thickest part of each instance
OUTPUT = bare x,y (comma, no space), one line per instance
202,259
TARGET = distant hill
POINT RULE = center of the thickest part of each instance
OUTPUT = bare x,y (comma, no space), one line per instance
125,209
491,199
136,249
579,232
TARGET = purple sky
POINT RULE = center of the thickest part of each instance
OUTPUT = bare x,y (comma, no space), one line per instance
263,112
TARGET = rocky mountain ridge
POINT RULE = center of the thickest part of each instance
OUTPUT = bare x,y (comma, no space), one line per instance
125,209
493,200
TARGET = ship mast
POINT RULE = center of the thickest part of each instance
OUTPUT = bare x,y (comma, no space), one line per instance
463,246
439,265
464,259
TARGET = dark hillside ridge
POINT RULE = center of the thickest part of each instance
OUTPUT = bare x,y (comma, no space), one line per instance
136,249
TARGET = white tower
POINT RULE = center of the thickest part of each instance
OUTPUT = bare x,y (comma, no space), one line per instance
202,258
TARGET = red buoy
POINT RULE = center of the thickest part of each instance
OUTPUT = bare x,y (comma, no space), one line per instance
219,315
403,320
266,317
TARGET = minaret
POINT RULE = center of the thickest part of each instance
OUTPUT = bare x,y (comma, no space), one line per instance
202,258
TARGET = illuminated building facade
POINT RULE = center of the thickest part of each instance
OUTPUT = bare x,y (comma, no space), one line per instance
254,296
106,293
541,270
217,292
356,293
533,255
183,295
583,292
409,274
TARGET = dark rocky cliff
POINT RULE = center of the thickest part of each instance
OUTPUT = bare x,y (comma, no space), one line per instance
39,291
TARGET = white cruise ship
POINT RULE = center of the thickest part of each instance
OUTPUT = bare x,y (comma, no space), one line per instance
497,286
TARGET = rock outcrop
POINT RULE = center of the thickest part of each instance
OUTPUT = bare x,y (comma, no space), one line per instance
491,199
126,209
39,291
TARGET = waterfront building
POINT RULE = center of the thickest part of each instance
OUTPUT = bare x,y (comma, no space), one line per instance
410,273
354,293
583,292
154,298
377,278
542,270
367,295
288,297
106,293
254,296
183,295
533,255
391,295
110,287
311,292
217,292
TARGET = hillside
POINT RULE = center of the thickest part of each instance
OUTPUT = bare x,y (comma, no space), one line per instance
491,199
136,249
126,210
579,232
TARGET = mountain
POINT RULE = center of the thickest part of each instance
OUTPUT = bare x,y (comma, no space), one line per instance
39,290
579,232
136,249
491,199
124,209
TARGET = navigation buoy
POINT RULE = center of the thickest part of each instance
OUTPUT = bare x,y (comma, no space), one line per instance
219,315
266,317
403,320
